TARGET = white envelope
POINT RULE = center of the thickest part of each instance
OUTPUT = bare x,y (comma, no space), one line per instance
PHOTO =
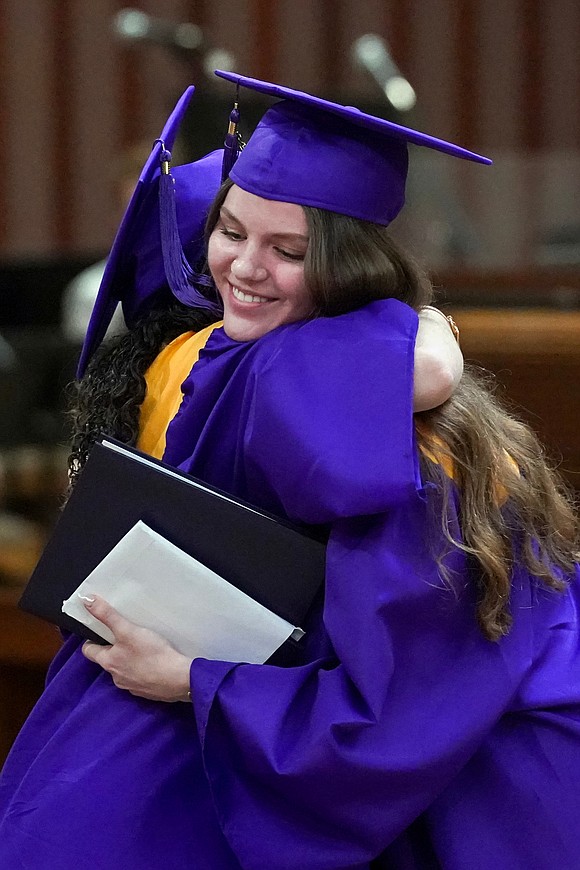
158,586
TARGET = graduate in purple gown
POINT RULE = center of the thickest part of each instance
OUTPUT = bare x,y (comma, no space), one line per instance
433,719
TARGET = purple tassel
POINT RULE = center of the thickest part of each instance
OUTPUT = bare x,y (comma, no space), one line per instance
233,143
180,276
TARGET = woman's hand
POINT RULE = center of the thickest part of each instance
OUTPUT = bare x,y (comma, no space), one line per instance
140,661
438,360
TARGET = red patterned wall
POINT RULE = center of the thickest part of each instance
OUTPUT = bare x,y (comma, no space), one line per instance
502,77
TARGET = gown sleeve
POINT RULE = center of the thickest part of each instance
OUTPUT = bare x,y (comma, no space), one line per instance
329,428
323,765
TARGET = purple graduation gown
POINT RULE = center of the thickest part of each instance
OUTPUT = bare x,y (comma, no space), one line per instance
402,740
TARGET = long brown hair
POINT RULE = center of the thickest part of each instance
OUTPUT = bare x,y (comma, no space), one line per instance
513,506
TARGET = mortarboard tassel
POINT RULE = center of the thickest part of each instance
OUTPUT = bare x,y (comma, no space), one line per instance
233,143
182,279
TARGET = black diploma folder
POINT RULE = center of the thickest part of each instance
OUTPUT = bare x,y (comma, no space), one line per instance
278,564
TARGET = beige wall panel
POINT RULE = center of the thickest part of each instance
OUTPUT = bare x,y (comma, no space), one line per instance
432,65
500,62
561,98
440,228
302,27
163,76
361,17
231,27
559,181
338,30
96,117
502,199
28,127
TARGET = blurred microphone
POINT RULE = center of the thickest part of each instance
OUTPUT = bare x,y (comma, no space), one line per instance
186,41
371,53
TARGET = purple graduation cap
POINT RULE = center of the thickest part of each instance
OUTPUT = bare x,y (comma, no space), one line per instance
305,150
313,152
135,272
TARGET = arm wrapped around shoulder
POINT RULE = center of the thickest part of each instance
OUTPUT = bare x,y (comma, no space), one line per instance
331,423
438,359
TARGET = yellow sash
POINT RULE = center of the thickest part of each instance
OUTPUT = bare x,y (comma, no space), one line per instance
164,378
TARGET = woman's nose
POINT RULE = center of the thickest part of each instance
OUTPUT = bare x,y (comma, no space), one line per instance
247,267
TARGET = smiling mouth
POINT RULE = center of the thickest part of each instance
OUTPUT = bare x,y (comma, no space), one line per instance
247,297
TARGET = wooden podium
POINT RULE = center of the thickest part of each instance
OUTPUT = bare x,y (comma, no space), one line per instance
535,356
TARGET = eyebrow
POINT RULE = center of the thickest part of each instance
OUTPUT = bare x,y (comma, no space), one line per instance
295,236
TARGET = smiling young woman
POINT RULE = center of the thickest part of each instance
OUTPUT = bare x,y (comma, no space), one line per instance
256,256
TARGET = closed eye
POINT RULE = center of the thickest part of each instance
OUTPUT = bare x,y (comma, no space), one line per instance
231,234
290,256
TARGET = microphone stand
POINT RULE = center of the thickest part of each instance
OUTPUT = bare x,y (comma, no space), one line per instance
452,233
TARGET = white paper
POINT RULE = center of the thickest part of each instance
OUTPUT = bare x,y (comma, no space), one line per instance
158,586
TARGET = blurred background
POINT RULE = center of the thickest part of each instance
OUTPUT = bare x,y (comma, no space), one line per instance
84,90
